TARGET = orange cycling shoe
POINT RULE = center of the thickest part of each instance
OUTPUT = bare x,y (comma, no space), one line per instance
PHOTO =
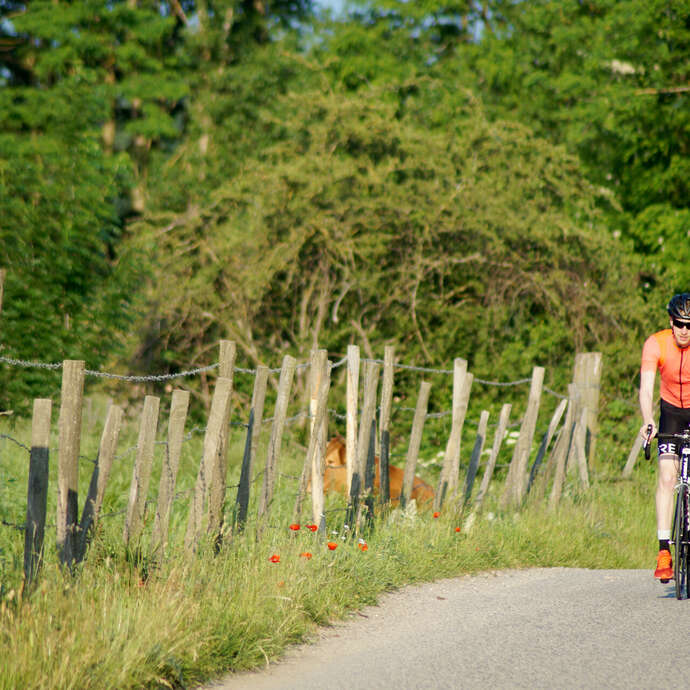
664,566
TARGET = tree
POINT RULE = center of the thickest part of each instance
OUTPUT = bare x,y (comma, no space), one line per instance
457,237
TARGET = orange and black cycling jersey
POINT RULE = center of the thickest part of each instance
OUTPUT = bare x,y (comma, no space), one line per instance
661,352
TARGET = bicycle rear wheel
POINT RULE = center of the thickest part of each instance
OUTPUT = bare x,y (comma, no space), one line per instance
680,562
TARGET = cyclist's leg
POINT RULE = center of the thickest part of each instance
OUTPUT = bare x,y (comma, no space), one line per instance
671,421
666,481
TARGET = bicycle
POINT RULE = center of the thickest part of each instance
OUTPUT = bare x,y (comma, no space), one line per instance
680,532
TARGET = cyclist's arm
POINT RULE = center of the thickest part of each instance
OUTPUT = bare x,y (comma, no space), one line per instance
647,378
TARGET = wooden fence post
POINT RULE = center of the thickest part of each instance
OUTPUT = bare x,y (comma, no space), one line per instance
580,440
284,385
203,487
587,379
141,474
385,424
476,454
2,286
516,481
317,453
352,412
313,467
491,463
179,407
632,456
99,477
371,380
71,397
546,439
256,415
219,466
226,370
415,442
37,491
448,480
562,449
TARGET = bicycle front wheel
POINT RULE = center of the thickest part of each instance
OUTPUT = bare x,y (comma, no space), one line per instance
680,562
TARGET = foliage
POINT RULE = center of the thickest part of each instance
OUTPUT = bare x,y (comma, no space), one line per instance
481,234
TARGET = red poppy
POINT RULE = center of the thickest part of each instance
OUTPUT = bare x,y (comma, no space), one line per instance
313,528
294,526
332,545
457,529
362,545
436,514
305,554
275,558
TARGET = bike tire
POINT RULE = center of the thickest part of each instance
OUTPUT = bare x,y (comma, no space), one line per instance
680,562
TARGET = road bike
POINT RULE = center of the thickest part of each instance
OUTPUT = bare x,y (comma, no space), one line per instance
680,532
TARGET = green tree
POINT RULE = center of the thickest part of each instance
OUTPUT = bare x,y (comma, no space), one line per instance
453,238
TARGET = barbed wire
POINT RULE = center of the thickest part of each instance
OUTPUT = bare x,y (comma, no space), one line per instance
135,378
14,440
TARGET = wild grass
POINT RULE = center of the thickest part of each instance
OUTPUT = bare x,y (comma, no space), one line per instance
121,621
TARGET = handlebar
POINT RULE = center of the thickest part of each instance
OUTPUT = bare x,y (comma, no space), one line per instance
684,437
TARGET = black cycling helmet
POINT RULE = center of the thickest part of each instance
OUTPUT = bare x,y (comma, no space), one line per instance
679,306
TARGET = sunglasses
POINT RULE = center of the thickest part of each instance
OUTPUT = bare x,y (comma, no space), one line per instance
681,324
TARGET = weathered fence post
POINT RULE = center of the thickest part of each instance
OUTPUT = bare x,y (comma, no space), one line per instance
385,424
546,439
632,456
352,412
415,442
141,474
256,415
99,477
313,467
226,369
37,492
491,463
219,466
2,286
371,380
203,486
448,479
562,449
476,454
354,511
580,441
321,386
285,383
69,423
179,407
587,379
516,481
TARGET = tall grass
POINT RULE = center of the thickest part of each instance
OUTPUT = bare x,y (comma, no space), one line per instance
121,621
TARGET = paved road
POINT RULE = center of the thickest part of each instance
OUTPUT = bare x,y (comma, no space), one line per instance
541,628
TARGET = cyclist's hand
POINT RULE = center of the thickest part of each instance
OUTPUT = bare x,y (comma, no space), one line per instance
644,431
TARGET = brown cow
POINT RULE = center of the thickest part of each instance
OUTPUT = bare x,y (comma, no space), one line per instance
335,476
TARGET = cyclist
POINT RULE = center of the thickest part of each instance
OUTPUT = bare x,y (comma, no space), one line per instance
669,352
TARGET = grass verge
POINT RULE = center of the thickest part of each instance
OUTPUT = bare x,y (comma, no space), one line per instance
115,624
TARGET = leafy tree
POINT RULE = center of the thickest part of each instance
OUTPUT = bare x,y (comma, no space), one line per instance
453,238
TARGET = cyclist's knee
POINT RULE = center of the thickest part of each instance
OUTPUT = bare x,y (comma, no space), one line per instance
668,469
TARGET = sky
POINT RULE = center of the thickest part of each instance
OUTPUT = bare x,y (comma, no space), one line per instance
335,5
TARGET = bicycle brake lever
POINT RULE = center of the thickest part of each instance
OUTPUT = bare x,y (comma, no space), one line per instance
647,443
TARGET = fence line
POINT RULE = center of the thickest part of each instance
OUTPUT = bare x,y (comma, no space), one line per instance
207,509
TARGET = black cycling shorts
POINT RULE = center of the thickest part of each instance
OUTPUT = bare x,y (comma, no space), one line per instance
672,420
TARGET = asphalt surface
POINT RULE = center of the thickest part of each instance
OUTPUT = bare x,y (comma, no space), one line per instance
541,628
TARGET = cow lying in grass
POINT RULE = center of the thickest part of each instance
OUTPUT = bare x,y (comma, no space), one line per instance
335,476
